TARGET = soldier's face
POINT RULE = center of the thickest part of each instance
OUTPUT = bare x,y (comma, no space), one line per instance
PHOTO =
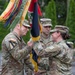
46,29
55,36
24,30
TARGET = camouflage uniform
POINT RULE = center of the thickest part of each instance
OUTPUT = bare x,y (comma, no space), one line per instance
42,44
44,61
61,55
15,55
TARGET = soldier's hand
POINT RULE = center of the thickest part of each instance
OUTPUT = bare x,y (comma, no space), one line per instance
40,72
36,73
30,43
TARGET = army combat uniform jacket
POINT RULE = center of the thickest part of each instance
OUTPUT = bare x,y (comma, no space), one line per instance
15,56
43,62
62,57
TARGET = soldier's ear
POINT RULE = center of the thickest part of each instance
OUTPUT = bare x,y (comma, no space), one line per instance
18,26
58,33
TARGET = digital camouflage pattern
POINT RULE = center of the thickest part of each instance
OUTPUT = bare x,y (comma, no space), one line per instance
61,56
46,22
15,56
44,61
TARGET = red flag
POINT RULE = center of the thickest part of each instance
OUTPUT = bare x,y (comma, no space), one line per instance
31,8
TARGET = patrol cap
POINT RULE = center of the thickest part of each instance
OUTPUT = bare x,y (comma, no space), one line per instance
26,24
60,28
46,22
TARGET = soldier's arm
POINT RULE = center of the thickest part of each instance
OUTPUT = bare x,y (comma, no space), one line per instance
50,51
29,63
37,47
14,50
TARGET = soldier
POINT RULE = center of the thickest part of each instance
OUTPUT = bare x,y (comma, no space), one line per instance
15,52
45,41
60,52
46,27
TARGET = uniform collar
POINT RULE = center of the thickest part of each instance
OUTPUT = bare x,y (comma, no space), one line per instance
44,36
60,41
19,38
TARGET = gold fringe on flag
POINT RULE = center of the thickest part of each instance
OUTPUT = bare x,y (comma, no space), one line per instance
35,39
34,63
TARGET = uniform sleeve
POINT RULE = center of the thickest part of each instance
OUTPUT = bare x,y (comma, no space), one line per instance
37,47
14,50
50,51
29,63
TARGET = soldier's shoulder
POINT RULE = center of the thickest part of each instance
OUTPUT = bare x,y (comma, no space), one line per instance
10,41
63,44
9,37
70,44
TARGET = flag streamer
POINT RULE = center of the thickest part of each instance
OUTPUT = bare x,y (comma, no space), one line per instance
7,11
18,17
25,11
14,13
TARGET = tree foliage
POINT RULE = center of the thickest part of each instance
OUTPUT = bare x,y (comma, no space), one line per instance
3,4
43,3
61,8
50,12
3,32
70,21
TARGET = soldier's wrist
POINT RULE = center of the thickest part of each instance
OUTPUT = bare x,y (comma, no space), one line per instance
29,47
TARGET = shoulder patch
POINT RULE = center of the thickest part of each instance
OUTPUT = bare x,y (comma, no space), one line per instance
13,40
12,43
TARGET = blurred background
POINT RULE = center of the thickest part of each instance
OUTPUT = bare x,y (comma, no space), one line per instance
62,12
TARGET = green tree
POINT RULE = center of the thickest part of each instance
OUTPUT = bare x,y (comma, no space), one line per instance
3,4
43,3
70,20
50,11
3,32
61,8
